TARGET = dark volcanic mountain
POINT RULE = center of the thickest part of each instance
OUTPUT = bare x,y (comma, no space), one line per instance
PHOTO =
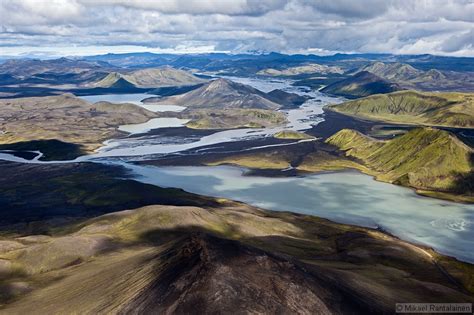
361,84
222,94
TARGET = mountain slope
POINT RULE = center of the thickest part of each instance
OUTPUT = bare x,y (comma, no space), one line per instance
424,158
411,78
222,93
361,84
168,259
392,71
304,69
411,107
149,78
66,118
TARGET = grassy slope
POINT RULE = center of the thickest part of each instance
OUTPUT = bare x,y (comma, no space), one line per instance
424,158
290,134
411,107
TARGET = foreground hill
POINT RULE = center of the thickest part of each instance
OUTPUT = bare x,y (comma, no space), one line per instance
423,158
361,84
411,107
149,78
209,258
66,118
411,78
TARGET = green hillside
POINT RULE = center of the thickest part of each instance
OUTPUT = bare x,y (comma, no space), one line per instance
423,158
291,134
412,107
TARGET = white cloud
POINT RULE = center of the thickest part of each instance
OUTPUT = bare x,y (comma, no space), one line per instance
399,26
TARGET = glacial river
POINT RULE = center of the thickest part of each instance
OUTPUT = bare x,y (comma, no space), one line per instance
346,197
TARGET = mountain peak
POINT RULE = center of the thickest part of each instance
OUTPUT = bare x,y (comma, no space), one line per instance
220,82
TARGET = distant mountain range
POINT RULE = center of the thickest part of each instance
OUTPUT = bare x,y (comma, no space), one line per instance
29,67
219,61
379,78
411,78
135,71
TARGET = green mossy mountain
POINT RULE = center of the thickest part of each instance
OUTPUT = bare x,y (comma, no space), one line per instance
413,107
293,135
361,84
423,158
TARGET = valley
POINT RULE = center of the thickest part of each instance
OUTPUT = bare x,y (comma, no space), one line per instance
245,157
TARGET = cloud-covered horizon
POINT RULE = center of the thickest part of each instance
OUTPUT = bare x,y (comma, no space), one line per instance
81,27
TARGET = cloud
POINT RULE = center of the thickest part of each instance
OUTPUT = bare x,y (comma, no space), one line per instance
234,7
397,26
459,42
351,9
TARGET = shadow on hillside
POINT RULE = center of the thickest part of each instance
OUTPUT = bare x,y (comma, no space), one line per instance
464,183
52,149
335,251
36,197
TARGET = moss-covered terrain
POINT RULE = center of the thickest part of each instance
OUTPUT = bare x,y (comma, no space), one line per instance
294,135
427,159
412,107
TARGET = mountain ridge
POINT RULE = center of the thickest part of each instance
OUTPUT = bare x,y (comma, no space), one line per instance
413,107
416,159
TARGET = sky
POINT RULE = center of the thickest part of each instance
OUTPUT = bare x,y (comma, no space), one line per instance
87,27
